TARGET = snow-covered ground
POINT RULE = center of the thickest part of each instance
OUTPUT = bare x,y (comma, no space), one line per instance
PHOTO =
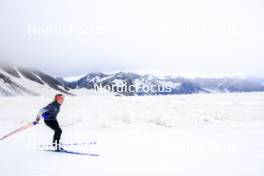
201,134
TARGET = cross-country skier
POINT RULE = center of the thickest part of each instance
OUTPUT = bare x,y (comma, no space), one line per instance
49,114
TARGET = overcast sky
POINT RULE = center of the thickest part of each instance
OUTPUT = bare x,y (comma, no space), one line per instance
190,37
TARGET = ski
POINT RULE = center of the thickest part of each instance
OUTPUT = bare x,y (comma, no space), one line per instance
69,144
72,152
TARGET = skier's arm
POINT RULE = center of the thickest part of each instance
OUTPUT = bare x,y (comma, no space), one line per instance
40,114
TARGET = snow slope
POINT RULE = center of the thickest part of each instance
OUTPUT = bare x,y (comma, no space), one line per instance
19,81
203,134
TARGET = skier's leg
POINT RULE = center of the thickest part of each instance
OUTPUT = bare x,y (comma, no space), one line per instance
53,126
58,132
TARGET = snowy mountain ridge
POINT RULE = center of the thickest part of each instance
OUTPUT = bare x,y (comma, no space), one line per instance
24,81
178,85
135,81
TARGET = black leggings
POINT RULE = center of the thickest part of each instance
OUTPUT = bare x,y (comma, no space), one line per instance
54,125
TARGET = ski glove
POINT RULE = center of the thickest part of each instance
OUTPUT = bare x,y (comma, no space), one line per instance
35,122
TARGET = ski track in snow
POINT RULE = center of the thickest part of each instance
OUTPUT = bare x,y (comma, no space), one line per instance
201,134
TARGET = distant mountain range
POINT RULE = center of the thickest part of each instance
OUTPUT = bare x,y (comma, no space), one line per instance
25,81
178,85
136,81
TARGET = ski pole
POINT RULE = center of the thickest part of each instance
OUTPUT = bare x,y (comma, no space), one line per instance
20,129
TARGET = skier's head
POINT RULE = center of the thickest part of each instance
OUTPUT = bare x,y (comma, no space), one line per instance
59,98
